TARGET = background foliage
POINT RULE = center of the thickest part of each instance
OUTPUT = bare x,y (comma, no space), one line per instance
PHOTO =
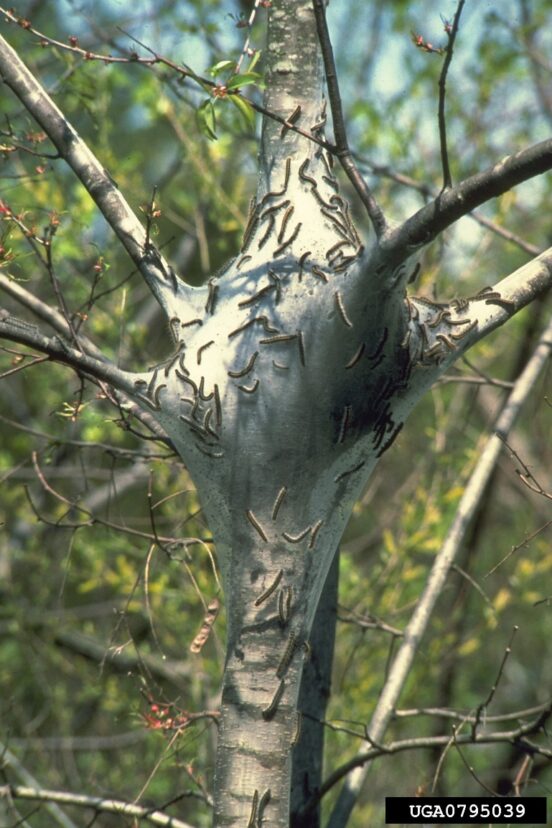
104,585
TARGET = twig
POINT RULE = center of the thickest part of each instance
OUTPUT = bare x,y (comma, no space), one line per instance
117,451
417,625
119,660
346,159
484,375
446,713
368,623
483,706
518,546
17,330
467,380
526,475
451,32
471,769
73,505
523,774
475,585
45,312
23,366
182,70
99,369
245,50
262,110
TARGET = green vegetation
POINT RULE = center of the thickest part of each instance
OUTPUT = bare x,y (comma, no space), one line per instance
106,564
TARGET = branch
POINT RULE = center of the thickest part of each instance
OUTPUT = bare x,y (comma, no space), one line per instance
440,333
165,543
82,744
97,803
426,191
447,713
418,623
431,742
59,324
113,450
343,152
451,31
48,314
181,70
482,708
510,295
17,330
175,672
159,276
458,201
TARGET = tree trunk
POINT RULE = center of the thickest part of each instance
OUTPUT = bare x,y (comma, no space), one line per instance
273,382
308,751
283,392
293,372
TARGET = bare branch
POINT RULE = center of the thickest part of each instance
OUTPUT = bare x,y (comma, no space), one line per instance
45,312
246,49
343,152
427,191
369,622
483,706
516,736
417,625
526,475
446,713
176,672
165,543
458,201
452,31
469,767
59,324
526,540
115,451
84,744
17,330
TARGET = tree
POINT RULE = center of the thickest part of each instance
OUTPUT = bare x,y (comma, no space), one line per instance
292,372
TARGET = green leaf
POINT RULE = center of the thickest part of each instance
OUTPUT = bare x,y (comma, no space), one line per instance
237,81
254,60
221,66
206,119
244,108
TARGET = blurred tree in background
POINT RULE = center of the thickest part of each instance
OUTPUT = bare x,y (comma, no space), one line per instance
107,567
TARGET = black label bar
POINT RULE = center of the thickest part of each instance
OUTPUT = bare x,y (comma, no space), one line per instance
460,810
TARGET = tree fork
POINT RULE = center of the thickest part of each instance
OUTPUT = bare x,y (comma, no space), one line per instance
292,372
